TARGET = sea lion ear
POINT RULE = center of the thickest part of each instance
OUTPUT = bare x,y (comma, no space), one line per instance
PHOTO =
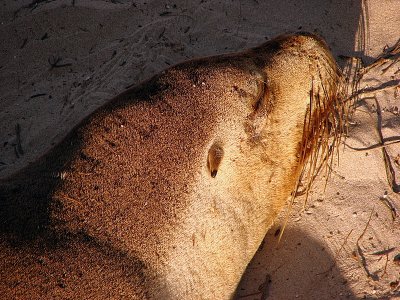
214,158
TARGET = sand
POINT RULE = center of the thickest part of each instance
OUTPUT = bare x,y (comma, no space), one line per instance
62,59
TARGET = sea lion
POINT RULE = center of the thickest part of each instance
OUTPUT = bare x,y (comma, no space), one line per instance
167,191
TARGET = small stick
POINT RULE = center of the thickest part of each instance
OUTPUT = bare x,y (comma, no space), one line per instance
383,252
54,62
388,85
389,205
344,243
38,95
24,43
263,289
387,259
336,255
363,261
376,146
390,173
249,295
18,133
34,4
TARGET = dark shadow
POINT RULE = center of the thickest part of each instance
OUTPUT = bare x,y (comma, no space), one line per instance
25,197
340,23
76,268
299,267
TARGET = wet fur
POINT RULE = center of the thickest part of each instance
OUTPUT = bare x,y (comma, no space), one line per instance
137,189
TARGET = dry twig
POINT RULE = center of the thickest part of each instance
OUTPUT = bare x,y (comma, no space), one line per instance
361,256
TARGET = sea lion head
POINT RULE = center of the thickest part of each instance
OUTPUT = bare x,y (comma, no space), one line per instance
187,171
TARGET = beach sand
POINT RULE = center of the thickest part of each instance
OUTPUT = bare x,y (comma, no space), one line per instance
60,60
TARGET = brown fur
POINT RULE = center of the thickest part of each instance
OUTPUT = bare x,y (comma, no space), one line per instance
131,190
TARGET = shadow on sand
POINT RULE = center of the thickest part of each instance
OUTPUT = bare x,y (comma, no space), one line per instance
299,267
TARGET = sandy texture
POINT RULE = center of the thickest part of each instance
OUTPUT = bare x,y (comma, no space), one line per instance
62,59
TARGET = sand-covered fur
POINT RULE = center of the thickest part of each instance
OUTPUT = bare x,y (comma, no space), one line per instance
137,177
